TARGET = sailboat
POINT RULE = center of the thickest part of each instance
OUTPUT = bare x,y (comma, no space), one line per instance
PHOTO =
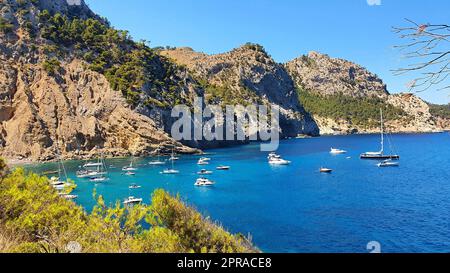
129,168
99,175
157,162
380,155
172,170
173,157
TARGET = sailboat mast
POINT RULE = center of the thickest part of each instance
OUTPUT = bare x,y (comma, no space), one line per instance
382,131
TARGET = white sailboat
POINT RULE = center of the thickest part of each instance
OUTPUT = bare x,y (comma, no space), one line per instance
172,170
380,155
157,162
129,168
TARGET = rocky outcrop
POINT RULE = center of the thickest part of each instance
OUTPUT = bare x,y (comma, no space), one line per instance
324,75
78,114
249,73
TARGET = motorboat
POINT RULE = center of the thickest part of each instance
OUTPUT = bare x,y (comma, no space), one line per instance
326,170
205,172
279,161
98,179
130,173
337,151
170,171
388,163
223,168
203,182
273,155
132,201
202,162
134,187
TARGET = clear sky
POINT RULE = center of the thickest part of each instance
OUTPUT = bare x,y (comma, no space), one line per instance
348,29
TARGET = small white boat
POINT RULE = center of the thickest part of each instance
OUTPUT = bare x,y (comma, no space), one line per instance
337,151
202,162
273,155
130,173
93,165
156,162
174,158
132,201
205,172
279,161
69,196
98,179
170,171
203,182
129,168
223,168
388,163
134,186
326,170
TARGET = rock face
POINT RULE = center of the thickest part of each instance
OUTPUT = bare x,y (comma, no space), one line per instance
42,115
328,76
325,76
248,72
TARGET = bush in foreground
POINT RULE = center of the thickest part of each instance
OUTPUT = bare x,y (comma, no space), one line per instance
34,219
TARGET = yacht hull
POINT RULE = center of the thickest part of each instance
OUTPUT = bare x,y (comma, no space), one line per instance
380,157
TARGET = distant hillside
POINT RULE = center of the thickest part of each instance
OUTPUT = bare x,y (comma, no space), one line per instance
344,97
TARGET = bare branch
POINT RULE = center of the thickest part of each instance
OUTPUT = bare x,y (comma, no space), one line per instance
428,48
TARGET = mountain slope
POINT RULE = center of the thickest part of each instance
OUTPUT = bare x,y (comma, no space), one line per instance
248,75
344,98
71,83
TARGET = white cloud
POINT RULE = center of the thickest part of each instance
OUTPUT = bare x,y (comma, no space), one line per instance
374,2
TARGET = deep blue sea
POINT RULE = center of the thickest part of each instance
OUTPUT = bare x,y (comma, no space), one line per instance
297,209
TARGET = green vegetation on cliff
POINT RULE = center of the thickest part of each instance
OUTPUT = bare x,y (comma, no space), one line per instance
130,67
442,111
34,219
364,112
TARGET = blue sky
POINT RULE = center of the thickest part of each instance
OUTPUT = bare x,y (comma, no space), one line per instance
348,29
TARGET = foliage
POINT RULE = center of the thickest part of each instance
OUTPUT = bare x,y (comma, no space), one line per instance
195,232
129,67
442,111
51,66
34,219
363,112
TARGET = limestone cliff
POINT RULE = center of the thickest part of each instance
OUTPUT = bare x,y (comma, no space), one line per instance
249,74
356,91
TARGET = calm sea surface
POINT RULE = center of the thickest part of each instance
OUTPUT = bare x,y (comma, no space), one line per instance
295,208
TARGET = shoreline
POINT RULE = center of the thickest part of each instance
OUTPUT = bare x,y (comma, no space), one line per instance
14,162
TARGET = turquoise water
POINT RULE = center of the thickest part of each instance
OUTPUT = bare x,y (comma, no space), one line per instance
296,209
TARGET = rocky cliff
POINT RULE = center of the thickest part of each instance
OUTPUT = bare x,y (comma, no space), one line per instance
356,92
249,75
52,102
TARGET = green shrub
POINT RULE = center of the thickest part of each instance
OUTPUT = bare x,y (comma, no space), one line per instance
364,112
34,219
